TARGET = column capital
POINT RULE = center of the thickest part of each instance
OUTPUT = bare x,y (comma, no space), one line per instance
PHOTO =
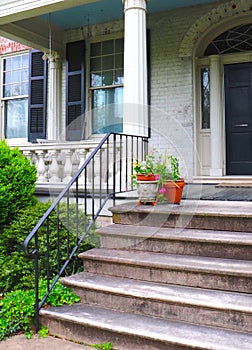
134,4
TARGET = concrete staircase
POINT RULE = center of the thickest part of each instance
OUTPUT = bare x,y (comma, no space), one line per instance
166,277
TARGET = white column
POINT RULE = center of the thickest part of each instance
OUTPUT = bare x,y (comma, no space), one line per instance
54,88
216,116
135,68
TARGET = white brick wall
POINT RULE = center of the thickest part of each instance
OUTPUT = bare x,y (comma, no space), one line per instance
172,84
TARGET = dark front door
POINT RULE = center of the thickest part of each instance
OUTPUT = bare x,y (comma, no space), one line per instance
238,106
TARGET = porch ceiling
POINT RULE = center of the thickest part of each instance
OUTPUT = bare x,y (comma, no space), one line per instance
29,24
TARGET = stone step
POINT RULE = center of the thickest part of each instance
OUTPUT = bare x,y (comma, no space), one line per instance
194,305
220,244
204,272
233,216
127,331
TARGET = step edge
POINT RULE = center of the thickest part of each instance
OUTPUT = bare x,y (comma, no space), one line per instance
130,261
174,300
170,337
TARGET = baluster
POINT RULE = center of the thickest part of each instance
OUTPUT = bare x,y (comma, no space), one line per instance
82,152
28,154
68,166
54,167
41,168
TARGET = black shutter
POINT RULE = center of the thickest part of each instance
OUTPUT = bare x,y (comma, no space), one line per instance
75,90
37,97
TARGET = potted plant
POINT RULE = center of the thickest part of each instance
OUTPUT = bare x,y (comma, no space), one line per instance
171,184
163,170
146,179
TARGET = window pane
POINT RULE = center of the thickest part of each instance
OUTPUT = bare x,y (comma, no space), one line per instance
7,78
119,61
95,64
24,88
205,98
119,45
7,64
16,76
16,62
25,74
107,47
107,78
7,91
119,79
96,49
107,62
25,61
96,79
16,118
107,107
16,90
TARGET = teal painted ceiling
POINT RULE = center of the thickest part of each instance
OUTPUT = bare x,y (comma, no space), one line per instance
108,10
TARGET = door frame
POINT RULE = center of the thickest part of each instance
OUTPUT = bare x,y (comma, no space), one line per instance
203,136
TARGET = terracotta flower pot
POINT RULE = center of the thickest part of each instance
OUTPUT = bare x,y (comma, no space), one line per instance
174,190
150,177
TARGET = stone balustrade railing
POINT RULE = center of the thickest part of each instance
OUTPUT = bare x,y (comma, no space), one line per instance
57,162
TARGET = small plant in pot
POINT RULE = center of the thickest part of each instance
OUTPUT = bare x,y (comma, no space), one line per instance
164,170
171,184
146,179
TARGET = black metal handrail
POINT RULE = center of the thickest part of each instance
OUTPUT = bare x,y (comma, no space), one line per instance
105,173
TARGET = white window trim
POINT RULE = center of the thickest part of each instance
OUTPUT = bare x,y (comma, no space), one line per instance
111,36
12,141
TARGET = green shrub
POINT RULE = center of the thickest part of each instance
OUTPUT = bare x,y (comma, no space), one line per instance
17,182
16,269
17,308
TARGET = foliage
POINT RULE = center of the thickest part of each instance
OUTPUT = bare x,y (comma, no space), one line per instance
147,167
17,309
43,332
16,269
17,182
104,346
164,166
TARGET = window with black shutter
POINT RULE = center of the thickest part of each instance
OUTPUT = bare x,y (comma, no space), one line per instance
75,90
15,83
37,97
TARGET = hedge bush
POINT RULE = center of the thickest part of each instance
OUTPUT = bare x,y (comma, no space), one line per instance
17,182
16,269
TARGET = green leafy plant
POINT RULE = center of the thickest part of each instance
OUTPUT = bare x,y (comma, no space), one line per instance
17,183
17,309
43,332
104,346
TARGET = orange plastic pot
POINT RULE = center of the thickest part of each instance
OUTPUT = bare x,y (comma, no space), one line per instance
174,190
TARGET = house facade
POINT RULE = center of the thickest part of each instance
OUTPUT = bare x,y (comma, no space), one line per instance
177,72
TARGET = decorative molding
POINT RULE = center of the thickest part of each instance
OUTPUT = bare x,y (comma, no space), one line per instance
235,11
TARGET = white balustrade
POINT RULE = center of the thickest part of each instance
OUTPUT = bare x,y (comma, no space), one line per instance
57,162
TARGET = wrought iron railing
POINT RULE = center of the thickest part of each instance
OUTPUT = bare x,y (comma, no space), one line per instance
105,173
